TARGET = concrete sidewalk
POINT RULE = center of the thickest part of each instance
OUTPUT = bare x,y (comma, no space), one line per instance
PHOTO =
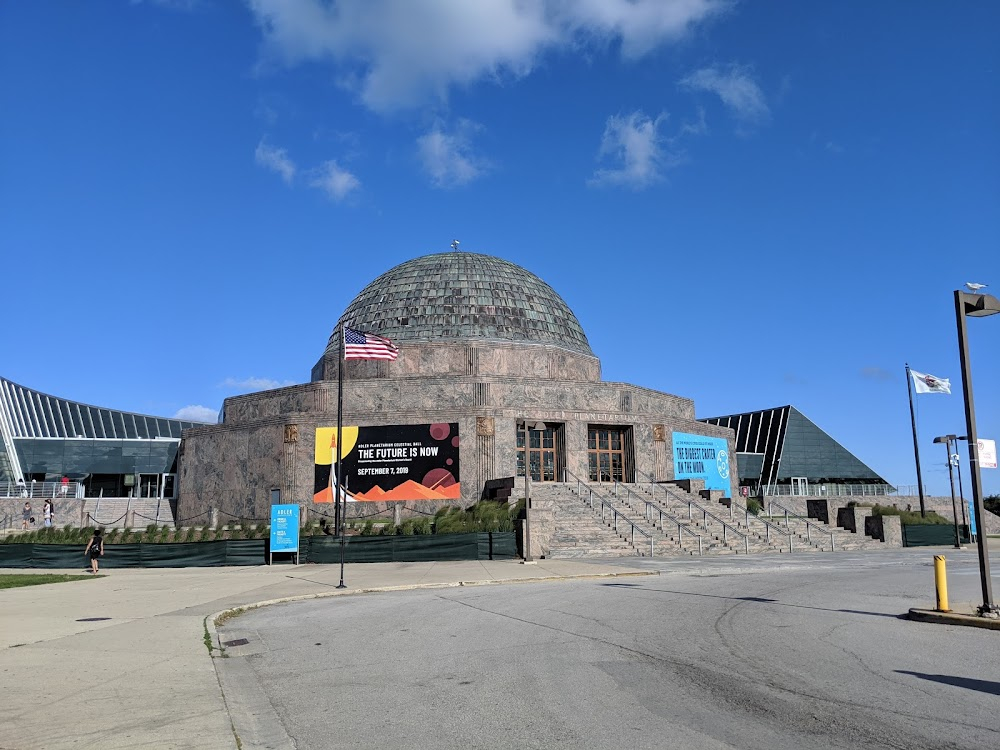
143,677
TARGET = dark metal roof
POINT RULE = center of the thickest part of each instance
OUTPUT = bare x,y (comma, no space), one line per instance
461,296
784,443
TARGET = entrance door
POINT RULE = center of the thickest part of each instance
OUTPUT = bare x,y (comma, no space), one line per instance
169,486
800,486
606,453
149,485
537,451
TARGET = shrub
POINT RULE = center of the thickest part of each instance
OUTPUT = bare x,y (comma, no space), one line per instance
754,506
909,517
368,529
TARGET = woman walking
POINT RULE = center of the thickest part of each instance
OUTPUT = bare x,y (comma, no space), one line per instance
26,516
95,548
47,514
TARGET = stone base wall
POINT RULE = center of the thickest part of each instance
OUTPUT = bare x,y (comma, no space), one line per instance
940,505
267,441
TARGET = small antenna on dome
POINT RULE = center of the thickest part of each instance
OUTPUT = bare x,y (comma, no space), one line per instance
454,245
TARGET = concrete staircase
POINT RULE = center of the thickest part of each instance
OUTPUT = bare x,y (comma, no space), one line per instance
679,521
578,529
121,512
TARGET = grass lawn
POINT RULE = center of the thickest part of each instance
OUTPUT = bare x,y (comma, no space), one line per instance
13,580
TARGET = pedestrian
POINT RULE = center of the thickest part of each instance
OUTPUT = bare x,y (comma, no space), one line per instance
63,486
95,548
47,514
25,516
22,488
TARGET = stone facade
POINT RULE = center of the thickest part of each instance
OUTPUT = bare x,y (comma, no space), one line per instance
235,465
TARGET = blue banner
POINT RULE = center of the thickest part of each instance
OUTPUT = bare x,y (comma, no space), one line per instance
701,457
972,518
285,528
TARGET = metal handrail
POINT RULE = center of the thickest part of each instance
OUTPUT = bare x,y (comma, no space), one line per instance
767,525
659,509
809,524
616,514
706,514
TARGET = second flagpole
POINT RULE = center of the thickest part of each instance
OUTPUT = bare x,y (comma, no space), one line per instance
916,448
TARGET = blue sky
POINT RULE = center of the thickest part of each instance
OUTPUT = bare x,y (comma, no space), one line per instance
748,204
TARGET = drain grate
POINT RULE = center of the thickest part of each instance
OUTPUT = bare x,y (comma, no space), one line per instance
92,619
237,642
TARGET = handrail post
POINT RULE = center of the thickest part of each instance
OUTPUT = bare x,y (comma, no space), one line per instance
833,547
790,549
746,544
700,550
809,532
689,511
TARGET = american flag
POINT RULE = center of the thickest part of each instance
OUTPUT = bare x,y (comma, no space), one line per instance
359,345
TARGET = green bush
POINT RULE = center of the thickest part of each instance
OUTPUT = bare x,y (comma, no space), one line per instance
909,517
754,506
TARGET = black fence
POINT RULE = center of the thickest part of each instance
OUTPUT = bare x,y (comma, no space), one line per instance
933,535
312,549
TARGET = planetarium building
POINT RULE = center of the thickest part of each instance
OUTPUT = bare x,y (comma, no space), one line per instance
494,378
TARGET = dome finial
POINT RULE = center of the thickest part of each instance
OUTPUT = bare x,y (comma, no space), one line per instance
454,245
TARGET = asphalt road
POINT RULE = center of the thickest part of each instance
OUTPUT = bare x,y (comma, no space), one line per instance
795,652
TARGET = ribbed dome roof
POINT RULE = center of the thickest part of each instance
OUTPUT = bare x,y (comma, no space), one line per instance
461,296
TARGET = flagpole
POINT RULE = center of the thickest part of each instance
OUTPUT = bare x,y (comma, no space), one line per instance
341,520
916,448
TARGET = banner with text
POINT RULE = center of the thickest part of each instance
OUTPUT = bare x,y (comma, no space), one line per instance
389,462
987,453
701,457
284,528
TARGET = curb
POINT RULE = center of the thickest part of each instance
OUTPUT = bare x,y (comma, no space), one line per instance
953,618
217,646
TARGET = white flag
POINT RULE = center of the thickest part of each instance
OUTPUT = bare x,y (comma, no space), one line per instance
923,383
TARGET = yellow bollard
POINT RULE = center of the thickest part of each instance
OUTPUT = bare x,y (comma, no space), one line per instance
941,583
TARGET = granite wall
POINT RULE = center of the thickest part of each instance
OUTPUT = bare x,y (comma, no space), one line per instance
267,439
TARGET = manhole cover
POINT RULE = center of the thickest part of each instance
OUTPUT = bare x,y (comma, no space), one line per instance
92,619
237,642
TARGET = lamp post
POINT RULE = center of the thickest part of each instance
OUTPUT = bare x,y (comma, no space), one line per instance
957,461
975,306
947,440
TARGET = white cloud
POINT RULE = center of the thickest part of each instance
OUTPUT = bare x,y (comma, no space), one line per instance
402,53
255,384
334,180
634,142
448,157
736,87
197,413
275,159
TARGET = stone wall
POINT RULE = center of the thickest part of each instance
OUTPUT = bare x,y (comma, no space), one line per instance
267,440
940,505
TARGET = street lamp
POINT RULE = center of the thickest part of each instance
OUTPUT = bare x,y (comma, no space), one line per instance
956,460
947,440
975,306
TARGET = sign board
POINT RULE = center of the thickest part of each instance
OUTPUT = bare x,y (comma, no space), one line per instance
972,517
987,453
285,529
389,462
702,457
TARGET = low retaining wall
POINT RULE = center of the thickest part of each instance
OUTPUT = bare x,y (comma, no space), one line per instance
313,549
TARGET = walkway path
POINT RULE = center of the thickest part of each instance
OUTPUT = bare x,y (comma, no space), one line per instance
142,677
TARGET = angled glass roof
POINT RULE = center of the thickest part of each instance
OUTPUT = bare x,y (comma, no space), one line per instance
27,413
